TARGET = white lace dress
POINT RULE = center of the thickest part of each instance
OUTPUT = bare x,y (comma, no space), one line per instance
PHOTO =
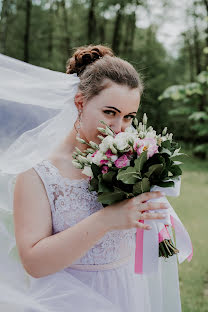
108,283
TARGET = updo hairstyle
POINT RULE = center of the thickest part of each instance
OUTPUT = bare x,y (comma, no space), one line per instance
95,63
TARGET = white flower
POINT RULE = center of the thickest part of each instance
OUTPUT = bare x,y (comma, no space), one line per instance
87,171
144,119
97,158
121,141
114,158
151,135
107,143
82,159
131,129
76,164
89,157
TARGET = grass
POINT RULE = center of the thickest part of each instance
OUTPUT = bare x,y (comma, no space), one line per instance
192,208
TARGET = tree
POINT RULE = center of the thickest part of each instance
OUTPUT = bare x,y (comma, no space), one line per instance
27,29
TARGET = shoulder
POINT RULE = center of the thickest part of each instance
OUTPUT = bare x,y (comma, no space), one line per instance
30,197
29,182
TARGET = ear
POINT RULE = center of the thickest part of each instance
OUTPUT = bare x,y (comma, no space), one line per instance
79,100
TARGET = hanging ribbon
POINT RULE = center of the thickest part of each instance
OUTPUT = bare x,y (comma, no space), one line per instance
147,241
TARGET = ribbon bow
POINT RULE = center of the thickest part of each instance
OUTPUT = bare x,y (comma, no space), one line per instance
147,242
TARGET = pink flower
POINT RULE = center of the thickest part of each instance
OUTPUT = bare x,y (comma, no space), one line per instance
153,149
109,153
137,143
105,169
103,161
149,145
122,161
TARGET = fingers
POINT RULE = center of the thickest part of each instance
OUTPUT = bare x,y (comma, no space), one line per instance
152,206
142,225
147,196
146,216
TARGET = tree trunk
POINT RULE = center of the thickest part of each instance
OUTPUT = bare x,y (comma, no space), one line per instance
91,23
66,31
206,31
50,31
117,30
132,32
189,49
27,30
127,37
102,33
4,25
196,46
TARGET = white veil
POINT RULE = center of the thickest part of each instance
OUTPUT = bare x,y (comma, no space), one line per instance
29,94
37,111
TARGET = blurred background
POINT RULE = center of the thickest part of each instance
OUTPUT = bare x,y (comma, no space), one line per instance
167,42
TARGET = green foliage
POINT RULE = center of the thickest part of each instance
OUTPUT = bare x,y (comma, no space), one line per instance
189,100
120,183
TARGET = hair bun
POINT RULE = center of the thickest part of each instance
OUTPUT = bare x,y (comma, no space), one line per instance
84,56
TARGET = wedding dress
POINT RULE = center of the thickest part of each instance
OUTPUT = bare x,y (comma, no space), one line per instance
111,279
103,280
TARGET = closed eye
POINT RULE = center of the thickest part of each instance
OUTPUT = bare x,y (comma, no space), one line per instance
109,111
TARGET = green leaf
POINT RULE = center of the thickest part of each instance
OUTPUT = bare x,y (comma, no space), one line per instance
141,186
197,116
93,184
205,50
108,177
128,176
145,185
102,186
166,184
175,170
166,144
110,198
156,169
137,188
139,162
95,169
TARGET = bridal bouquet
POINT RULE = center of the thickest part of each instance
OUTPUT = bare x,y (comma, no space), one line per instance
129,163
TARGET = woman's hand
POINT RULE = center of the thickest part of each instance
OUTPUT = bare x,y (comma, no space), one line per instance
125,214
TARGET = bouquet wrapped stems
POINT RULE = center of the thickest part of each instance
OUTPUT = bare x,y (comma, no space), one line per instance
167,249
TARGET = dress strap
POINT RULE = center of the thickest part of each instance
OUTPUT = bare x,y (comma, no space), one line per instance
48,176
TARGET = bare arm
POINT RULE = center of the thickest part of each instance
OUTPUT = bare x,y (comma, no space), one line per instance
41,252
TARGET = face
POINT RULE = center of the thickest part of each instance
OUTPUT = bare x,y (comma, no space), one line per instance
116,105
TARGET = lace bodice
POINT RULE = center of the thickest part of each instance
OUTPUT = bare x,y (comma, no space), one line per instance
71,202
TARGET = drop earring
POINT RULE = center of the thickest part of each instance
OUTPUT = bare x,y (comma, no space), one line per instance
78,127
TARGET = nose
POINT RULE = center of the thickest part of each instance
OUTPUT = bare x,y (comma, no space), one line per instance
117,127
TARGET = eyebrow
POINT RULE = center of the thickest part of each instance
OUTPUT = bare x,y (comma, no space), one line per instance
117,109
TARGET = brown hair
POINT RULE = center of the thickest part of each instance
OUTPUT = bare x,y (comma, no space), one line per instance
94,63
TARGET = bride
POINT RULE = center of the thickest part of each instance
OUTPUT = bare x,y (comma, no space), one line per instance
75,253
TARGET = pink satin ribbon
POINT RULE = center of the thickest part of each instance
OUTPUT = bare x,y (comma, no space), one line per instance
139,250
163,234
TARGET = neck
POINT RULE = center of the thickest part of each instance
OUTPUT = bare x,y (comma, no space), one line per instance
67,147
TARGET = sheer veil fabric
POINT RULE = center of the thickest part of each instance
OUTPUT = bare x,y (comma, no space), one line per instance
37,111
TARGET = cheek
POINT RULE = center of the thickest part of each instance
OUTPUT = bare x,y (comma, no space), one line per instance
90,125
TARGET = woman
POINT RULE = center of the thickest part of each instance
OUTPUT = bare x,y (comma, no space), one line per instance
77,254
